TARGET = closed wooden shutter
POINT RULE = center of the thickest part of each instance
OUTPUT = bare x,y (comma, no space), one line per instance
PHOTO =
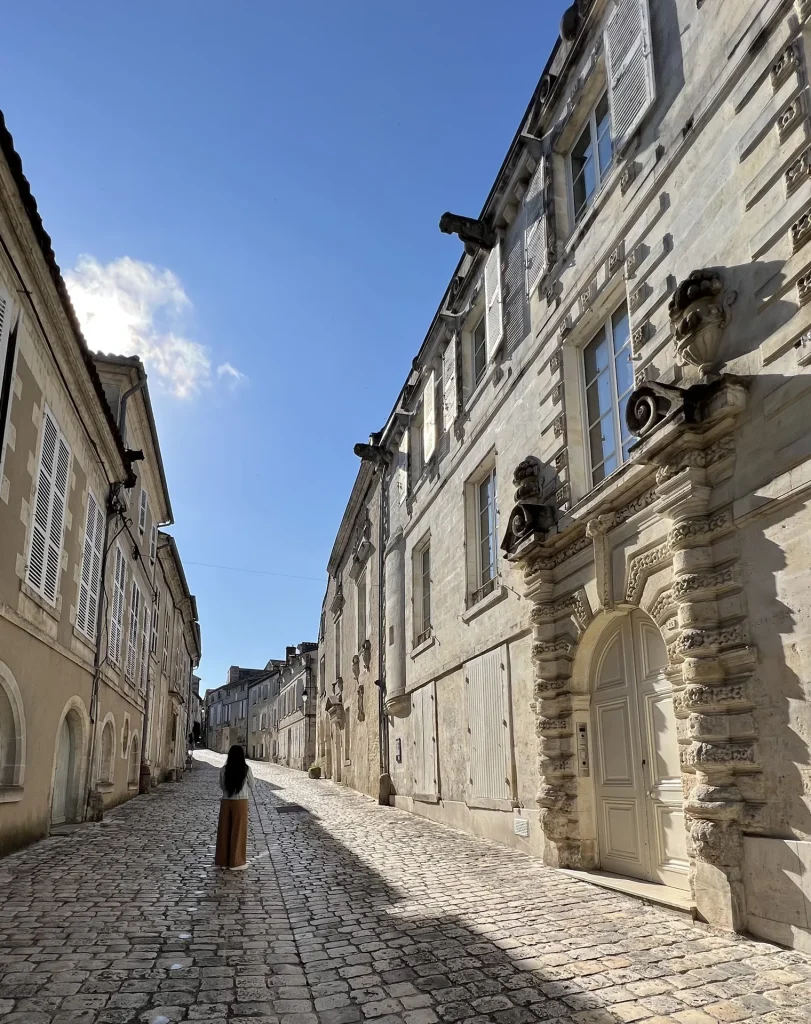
629,58
156,618
490,728
429,417
424,740
494,323
50,504
117,611
90,578
132,637
144,646
535,228
143,505
153,542
450,399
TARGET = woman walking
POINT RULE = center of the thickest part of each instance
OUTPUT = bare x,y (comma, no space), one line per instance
236,782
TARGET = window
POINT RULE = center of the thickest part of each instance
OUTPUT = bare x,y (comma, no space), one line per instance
338,642
165,662
609,380
479,349
48,519
144,645
153,542
132,639
117,611
422,593
417,444
486,535
142,507
361,603
590,157
156,620
322,675
90,578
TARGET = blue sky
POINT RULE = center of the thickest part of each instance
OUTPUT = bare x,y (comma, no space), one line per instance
249,195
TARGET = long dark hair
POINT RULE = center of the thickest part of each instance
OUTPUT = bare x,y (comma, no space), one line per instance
236,770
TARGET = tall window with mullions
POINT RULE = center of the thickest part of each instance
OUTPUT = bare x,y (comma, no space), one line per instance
609,380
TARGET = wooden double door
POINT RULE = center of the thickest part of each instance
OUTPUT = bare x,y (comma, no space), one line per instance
637,776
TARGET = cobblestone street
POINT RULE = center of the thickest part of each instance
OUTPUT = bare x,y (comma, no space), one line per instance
348,912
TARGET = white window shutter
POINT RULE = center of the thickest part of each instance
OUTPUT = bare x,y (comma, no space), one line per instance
144,502
132,637
50,506
90,578
117,616
429,417
536,228
494,312
5,325
629,59
450,403
144,644
153,542
402,468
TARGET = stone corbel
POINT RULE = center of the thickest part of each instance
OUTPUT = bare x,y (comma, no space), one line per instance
530,518
598,530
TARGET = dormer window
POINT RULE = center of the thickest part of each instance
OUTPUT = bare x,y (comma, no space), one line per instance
591,156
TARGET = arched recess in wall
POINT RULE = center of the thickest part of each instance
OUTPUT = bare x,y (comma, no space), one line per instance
134,766
12,735
106,767
70,762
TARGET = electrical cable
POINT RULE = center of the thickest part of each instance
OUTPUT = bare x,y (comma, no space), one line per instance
257,572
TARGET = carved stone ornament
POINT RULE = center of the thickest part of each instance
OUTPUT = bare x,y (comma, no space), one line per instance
356,666
338,601
361,695
789,119
698,318
804,289
653,404
334,707
798,172
801,231
530,518
628,176
366,654
787,64
474,233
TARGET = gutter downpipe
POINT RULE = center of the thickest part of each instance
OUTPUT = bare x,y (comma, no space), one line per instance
384,789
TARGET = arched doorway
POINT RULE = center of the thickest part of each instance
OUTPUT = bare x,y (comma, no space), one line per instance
64,805
637,776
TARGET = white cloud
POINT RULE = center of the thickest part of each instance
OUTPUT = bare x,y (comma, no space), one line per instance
132,308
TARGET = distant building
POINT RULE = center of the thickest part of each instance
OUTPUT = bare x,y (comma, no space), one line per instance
296,707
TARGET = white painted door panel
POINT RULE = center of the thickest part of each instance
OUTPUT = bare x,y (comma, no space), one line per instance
61,778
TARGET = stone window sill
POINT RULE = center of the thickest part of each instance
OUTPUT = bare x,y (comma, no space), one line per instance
84,639
494,597
347,762
105,787
424,646
53,610
486,804
10,794
426,798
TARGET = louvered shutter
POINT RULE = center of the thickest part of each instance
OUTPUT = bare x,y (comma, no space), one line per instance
494,323
536,228
429,417
134,625
50,504
153,542
5,324
629,59
117,615
144,502
144,645
450,403
90,578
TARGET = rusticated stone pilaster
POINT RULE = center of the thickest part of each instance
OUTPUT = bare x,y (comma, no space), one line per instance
712,697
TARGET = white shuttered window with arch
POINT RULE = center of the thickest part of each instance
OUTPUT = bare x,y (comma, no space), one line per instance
629,61
48,512
90,578
117,611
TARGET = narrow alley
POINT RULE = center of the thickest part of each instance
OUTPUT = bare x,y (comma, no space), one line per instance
348,912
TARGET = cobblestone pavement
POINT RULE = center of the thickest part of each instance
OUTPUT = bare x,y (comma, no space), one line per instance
349,913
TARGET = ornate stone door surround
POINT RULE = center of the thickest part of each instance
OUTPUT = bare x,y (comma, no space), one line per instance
689,583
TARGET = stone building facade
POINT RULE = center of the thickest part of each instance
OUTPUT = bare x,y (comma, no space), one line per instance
609,668
82,497
263,694
348,747
295,707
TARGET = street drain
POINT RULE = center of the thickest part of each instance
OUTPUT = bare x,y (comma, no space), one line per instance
291,809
